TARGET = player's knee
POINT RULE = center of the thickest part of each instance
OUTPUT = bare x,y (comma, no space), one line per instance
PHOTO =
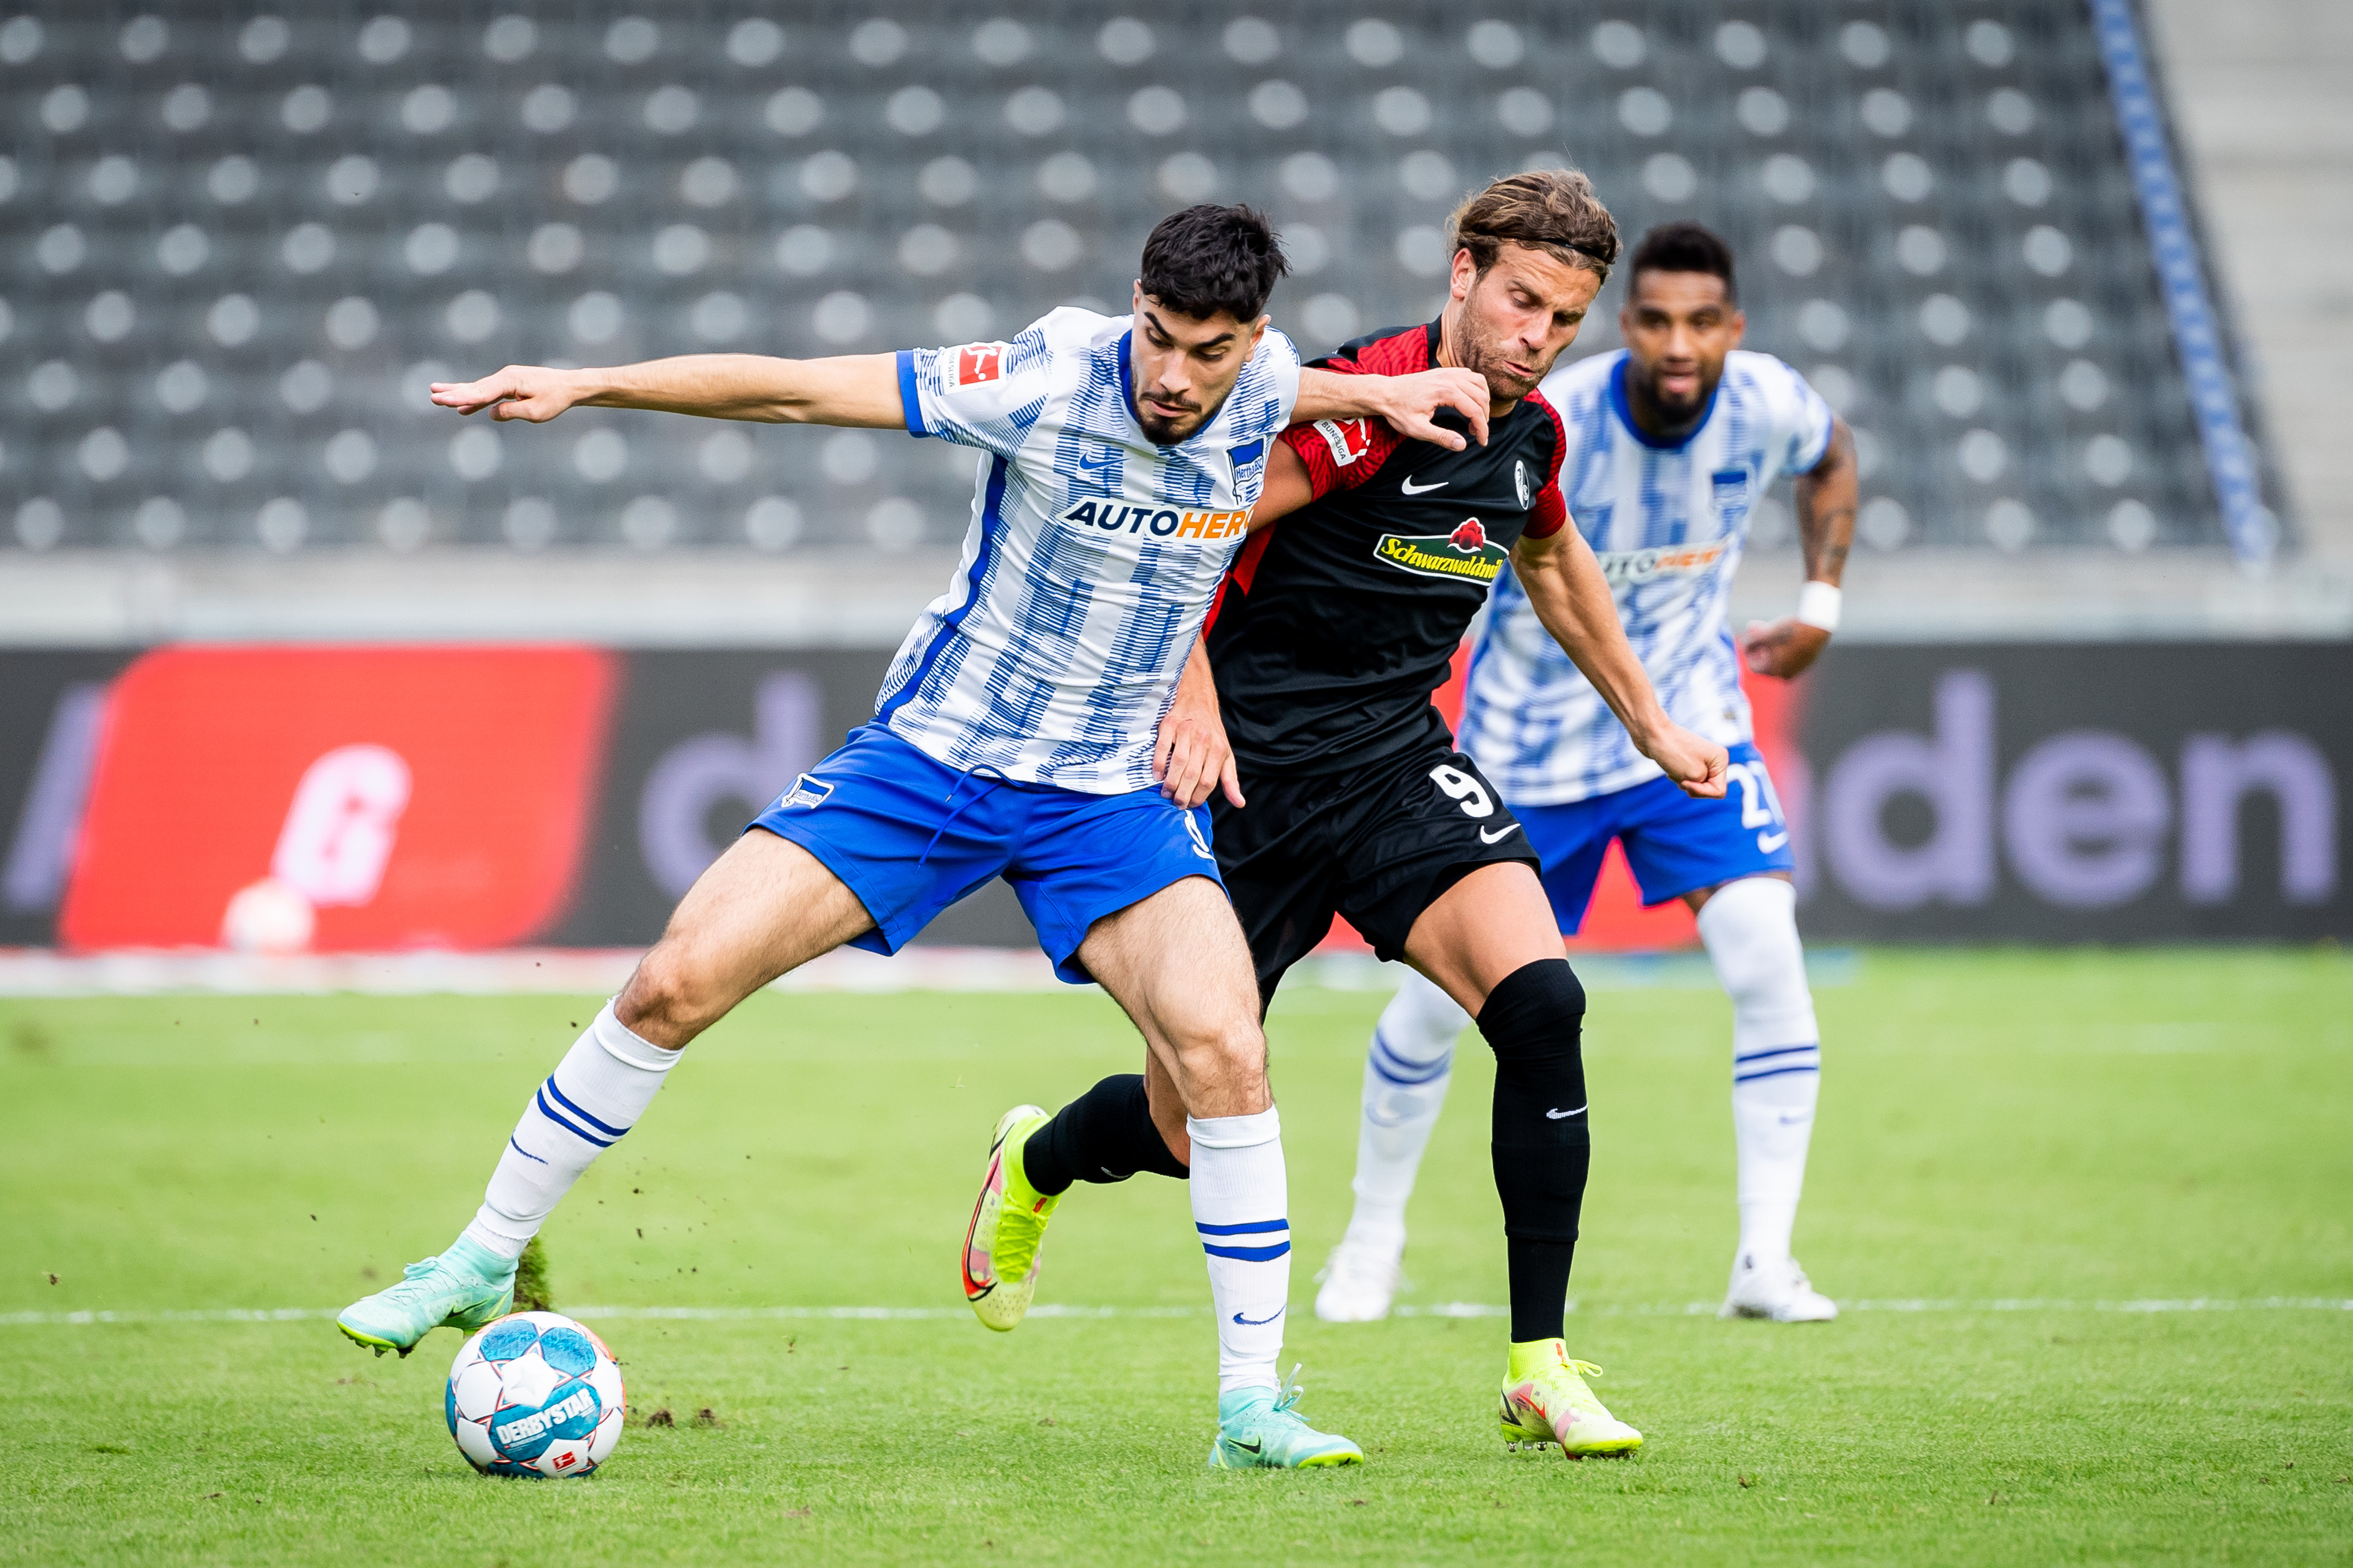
1750,928
1221,1063
669,998
1535,1019
1537,1006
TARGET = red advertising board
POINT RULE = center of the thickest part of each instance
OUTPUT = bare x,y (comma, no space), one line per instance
340,798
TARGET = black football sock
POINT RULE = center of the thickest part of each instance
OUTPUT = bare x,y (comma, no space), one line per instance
1106,1135
1539,1286
1542,1146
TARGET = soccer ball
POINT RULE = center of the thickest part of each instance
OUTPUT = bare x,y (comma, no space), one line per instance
535,1395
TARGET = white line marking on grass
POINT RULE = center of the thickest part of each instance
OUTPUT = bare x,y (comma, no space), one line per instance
1438,1310
1918,1304
217,1315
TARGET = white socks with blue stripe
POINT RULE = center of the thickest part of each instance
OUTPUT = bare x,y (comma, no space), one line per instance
1750,928
1241,1206
595,1094
1405,1074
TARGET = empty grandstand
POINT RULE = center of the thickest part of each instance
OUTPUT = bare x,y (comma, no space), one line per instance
239,244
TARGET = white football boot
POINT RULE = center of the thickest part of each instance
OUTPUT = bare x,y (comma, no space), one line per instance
1360,1280
1774,1288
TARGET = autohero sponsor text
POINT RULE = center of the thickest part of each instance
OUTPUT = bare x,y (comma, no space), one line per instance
1161,522
1621,567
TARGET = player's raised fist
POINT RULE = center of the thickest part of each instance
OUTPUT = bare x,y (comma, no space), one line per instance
531,392
1692,762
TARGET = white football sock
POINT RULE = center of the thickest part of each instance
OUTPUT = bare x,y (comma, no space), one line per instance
1405,1074
1241,1206
1750,928
595,1094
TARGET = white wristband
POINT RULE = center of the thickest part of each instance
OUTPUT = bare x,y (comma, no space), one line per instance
1817,604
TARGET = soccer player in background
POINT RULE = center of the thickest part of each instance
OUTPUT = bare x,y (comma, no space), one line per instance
1672,441
1013,736
1336,624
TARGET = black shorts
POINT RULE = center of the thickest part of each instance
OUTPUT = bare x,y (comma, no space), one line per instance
1378,844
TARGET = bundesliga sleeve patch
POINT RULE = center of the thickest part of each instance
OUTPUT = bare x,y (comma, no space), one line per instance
979,362
1349,438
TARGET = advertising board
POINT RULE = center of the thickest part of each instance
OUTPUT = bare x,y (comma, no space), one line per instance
343,797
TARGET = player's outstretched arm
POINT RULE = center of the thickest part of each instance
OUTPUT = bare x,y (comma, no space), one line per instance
1826,498
852,390
1192,757
1570,596
1409,403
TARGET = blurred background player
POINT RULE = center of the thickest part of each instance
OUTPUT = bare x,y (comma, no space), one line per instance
1337,623
1672,442
1015,736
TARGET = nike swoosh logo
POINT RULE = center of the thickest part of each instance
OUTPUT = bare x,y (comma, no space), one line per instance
1103,462
1562,1115
1499,835
1252,1446
1410,488
1768,843
1259,1322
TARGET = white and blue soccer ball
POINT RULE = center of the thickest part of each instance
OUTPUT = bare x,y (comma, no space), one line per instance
535,1395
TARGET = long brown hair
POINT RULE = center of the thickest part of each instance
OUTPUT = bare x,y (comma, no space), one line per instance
1552,210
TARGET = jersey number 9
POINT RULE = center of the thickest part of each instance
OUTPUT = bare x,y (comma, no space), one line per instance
1464,790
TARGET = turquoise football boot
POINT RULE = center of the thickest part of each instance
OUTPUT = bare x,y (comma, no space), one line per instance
465,1288
1261,1429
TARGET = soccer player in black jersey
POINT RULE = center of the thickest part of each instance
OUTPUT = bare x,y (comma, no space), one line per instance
1334,628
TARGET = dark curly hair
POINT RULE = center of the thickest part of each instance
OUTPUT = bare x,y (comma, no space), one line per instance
1209,259
1687,248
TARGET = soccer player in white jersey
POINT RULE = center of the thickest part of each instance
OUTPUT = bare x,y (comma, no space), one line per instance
1672,442
1015,736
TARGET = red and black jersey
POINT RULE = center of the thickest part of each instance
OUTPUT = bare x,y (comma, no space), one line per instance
1337,622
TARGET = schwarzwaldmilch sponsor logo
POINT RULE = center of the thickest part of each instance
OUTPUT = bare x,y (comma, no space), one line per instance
1465,553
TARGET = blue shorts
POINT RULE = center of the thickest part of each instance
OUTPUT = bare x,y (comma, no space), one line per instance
1676,844
910,836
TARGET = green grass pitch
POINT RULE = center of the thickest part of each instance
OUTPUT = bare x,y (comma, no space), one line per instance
2050,1132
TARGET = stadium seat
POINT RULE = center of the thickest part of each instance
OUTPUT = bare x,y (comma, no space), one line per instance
283,226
